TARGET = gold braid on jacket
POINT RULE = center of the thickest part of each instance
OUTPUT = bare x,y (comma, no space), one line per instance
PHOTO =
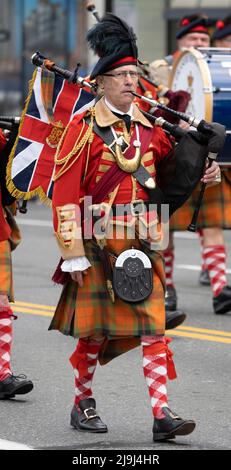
77,148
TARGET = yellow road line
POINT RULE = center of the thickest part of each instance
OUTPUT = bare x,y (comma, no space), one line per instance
203,334
32,311
204,330
200,336
28,304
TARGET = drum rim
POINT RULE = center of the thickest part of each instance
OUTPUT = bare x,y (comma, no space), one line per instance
205,74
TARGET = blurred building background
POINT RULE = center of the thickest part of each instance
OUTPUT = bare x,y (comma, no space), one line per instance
57,29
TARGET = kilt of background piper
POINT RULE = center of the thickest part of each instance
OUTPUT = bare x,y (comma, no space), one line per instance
88,311
6,284
215,210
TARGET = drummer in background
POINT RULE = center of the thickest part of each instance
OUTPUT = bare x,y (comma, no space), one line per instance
193,32
222,34
214,215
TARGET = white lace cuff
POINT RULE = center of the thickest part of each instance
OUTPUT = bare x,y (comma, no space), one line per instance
75,264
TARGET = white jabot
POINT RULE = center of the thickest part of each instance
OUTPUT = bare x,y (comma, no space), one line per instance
75,264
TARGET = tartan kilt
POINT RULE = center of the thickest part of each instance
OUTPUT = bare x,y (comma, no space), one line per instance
89,311
6,281
215,209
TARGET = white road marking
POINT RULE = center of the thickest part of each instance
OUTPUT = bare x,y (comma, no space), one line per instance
48,223
183,235
34,222
186,235
10,445
194,267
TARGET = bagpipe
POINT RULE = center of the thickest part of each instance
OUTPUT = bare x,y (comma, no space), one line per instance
8,122
176,131
39,60
204,129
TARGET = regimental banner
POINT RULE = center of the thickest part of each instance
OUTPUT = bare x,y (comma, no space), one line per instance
51,104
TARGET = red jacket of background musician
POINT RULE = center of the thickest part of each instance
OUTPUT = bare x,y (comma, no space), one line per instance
5,229
2,140
145,88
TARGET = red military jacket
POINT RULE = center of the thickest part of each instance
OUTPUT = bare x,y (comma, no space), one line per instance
82,164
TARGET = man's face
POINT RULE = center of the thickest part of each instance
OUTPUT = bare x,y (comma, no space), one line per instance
194,40
224,42
117,86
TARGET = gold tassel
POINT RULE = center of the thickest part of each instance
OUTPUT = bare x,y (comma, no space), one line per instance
110,290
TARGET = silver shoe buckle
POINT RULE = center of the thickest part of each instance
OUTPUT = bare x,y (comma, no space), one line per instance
173,415
91,416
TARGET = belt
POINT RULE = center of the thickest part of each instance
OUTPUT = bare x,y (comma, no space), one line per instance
137,208
132,208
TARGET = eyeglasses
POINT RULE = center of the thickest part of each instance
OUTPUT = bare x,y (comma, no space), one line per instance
122,75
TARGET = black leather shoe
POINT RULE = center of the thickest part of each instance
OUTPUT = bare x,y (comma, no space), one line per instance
204,279
171,426
15,385
174,319
170,298
222,303
87,420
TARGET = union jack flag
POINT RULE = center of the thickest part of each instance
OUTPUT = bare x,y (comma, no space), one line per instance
51,104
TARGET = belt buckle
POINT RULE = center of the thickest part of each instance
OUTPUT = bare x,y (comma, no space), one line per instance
134,211
106,208
102,206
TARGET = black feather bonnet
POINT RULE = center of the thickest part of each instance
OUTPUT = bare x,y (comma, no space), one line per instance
196,23
223,28
114,42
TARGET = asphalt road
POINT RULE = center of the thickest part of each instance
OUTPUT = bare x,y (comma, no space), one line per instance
201,349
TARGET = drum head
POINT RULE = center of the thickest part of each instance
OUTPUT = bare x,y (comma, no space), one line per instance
191,73
205,74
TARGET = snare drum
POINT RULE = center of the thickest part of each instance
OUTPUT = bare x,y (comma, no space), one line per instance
205,73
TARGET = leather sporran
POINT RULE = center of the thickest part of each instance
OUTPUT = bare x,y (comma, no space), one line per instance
133,276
